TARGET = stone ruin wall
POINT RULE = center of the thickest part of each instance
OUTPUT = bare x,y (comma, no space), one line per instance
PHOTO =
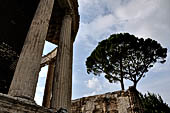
115,102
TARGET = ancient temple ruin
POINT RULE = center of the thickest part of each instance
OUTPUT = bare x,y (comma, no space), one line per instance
24,27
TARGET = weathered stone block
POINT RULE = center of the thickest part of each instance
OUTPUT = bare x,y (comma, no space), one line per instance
10,104
115,102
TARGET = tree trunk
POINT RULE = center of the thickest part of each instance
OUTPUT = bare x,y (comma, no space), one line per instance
135,84
122,84
122,75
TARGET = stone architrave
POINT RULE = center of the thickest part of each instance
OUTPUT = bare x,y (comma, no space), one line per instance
48,85
61,94
26,74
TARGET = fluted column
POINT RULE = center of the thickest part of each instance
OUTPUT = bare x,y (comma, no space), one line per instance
48,85
70,76
26,74
61,94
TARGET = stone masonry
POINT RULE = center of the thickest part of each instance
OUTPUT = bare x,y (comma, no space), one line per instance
115,102
9,104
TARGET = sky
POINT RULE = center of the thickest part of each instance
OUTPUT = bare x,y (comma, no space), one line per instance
101,18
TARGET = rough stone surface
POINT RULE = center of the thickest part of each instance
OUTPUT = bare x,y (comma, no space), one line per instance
115,102
61,95
26,76
10,104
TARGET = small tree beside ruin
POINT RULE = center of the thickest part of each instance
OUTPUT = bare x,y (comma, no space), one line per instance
124,56
153,103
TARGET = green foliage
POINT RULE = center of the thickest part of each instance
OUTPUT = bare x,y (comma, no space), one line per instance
153,104
124,56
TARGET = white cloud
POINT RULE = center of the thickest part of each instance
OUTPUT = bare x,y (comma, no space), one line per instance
144,18
151,19
98,29
136,9
94,83
98,26
100,85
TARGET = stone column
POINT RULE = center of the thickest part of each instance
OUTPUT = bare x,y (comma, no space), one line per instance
62,86
70,76
48,86
26,74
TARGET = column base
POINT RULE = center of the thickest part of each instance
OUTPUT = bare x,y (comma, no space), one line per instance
9,104
26,99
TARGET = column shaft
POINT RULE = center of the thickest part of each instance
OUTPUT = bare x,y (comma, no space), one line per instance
48,86
26,73
61,95
70,76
